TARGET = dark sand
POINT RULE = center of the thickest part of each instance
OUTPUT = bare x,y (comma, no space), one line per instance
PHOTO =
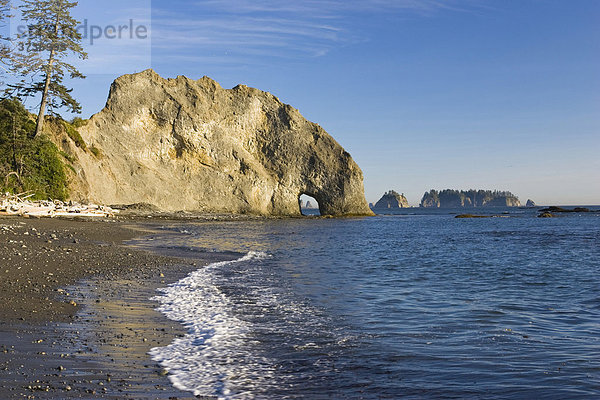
76,317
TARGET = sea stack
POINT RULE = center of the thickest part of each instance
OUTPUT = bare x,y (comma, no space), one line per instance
391,200
530,203
183,144
469,198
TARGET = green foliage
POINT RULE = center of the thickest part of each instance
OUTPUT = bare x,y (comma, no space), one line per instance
67,157
28,163
96,152
78,122
59,96
74,135
393,193
47,178
51,38
5,50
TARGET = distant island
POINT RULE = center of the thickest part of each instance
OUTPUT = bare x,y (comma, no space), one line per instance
391,200
471,198
308,205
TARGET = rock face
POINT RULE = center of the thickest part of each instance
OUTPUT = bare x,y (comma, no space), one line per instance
181,144
391,200
530,203
430,202
555,209
546,215
471,198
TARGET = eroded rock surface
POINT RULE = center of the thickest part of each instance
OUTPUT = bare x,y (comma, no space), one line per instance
449,198
391,200
181,144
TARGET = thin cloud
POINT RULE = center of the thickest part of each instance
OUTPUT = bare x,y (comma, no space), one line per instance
273,28
325,7
291,37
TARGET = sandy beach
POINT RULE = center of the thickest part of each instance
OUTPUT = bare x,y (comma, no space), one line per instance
76,317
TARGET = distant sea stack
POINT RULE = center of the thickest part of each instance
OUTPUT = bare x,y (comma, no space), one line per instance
183,144
310,206
471,198
530,203
391,200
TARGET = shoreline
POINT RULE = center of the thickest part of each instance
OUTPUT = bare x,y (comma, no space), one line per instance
75,304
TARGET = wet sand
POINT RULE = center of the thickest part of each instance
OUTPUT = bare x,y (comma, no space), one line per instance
76,317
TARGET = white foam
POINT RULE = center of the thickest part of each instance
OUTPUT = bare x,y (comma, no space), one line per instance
214,358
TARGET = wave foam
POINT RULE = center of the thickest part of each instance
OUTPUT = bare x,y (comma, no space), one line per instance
215,352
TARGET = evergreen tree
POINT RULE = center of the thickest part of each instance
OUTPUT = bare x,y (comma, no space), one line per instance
5,48
51,37
28,163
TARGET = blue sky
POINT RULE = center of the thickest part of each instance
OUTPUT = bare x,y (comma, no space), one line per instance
491,94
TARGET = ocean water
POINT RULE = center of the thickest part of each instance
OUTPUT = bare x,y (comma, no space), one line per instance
419,305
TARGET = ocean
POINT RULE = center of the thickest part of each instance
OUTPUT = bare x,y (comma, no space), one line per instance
416,305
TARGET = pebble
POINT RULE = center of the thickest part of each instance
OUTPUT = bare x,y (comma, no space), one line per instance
80,257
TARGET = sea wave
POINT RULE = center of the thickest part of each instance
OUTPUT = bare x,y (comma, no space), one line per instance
373,308
214,354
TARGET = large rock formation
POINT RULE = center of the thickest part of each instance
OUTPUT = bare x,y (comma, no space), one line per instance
391,200
471,198
181,144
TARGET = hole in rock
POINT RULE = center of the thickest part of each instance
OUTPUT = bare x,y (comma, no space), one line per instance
308,205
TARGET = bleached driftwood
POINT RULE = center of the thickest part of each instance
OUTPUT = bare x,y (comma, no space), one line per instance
21,205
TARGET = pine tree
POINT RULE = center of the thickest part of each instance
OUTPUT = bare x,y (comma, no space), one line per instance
52,37
4,16
5,49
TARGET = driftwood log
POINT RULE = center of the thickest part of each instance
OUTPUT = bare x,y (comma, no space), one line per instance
12,174
21,205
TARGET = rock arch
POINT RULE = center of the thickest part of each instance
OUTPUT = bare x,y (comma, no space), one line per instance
309,205
190,145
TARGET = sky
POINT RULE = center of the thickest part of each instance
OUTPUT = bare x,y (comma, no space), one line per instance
461,94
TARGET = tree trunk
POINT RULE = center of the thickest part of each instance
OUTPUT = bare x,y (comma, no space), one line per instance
14,143
40,120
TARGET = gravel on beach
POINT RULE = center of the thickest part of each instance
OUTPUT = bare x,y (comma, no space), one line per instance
76,317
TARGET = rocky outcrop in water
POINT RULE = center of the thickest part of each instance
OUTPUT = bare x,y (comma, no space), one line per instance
471,198
530,203
555,209
391,200
182,144
546,215
310,206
